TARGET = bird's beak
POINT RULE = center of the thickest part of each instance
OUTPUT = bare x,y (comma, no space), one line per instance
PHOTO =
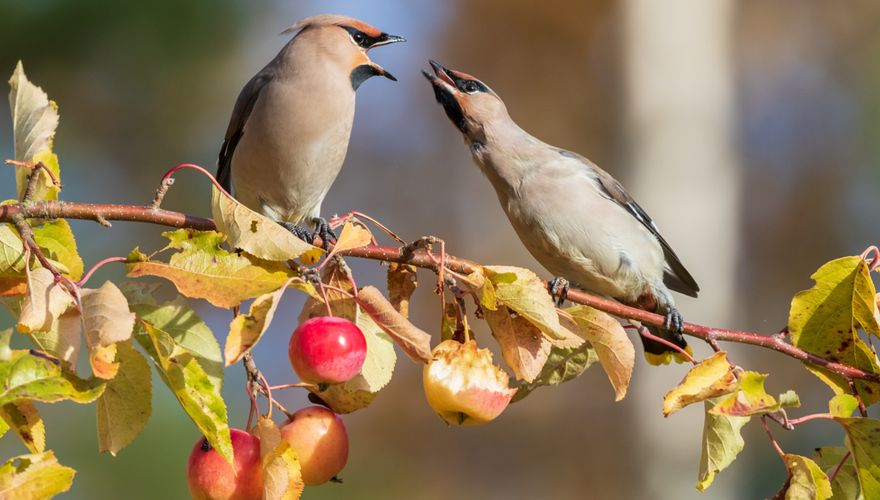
441,79
447,94
380,71
386,39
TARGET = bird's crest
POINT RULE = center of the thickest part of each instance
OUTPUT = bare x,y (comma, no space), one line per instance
332,20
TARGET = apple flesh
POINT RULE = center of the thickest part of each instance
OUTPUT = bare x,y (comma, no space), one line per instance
210,477
327,350
463,386
320,440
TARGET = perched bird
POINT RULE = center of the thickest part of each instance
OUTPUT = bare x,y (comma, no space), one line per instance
573,217
290,127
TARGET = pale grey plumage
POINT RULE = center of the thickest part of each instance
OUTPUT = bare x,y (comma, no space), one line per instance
290,127
572,216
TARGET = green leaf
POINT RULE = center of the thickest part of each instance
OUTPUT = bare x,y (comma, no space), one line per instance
203,270
806,481
125,406
58,243
563,364
824,321
751,398
522,291
722,442
846,483
711,378
34,120
34,477
254,233
25,420
12,261
198,396
842,405
614,348
177,321
863,439
375,374
26,376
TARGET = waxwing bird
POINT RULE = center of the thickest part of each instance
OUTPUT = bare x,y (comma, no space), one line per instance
572,216
290,127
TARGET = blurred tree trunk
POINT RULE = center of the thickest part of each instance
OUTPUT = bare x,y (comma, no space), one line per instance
679,126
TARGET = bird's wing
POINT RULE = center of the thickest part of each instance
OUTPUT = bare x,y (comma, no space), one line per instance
675,276
240,113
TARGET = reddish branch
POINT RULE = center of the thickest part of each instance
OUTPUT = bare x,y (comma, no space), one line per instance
420,258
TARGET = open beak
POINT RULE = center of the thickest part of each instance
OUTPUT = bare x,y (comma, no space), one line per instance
380,71
441,77
447,93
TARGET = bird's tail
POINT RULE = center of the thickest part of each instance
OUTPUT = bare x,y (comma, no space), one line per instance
660,354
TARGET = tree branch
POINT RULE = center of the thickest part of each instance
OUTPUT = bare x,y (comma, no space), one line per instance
421,258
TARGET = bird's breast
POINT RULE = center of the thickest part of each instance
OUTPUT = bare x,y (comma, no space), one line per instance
292,148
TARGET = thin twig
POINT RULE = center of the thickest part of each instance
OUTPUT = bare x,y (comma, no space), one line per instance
772,439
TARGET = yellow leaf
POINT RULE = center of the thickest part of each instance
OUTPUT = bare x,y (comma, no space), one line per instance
245,330
414,342
806,481
402,282
282,475
751,398
23,417
124,408
523,347
254,233
34,120
203,270
107,320
824,320
353,235
614,348
711,378
45,301
34,477
524,293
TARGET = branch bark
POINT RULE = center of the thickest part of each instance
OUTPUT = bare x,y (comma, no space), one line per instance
420,258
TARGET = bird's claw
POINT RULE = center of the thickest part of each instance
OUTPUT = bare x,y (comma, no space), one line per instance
324,231
558,288
297,231
674,323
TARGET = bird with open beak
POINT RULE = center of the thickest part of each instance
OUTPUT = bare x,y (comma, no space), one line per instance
290,127
572,216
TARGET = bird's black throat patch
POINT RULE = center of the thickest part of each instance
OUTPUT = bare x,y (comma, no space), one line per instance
361,74
450,105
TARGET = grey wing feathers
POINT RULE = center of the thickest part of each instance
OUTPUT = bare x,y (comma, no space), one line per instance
243,107
675,276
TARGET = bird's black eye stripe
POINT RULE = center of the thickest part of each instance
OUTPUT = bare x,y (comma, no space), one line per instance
362,39
471,86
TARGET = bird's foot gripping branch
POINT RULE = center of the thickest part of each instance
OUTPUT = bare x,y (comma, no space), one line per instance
242,260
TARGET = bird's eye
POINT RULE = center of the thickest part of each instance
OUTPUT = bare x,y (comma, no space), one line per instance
358,38
471,86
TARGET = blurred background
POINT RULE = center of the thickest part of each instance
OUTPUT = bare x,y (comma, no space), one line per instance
748,130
